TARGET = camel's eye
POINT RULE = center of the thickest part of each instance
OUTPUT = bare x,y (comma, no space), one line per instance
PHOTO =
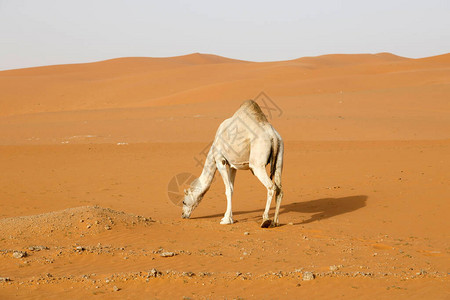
184,203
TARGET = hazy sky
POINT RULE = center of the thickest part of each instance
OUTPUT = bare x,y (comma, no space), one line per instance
44,32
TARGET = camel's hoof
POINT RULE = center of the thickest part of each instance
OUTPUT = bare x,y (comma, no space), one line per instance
226,221
266,223
274,224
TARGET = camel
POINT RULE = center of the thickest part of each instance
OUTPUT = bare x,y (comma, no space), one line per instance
246,141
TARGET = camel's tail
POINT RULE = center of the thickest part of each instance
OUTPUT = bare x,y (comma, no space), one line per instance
276,162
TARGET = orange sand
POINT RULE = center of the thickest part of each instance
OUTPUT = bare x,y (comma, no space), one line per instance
366,179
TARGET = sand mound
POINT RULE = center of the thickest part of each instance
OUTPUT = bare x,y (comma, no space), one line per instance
87,220
339,60
442,59
201,58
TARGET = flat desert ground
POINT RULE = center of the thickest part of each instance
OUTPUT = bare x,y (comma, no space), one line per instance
94,157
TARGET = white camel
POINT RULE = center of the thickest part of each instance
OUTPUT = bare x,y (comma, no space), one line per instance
244,141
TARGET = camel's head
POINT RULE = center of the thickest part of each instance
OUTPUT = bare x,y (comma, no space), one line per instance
192,197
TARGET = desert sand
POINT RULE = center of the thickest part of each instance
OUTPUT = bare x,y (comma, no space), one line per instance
88,152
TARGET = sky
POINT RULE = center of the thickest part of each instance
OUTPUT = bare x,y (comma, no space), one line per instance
44,32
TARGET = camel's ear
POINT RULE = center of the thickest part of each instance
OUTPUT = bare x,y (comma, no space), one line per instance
185,192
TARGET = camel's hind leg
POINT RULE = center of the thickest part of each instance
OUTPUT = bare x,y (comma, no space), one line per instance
261,173
228,175
278,198
277,181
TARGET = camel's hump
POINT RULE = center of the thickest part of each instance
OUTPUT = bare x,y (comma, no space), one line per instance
252,109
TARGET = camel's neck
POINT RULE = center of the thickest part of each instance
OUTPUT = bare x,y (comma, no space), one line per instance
209,170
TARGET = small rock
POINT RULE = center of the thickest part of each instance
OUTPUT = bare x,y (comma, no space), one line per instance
167,254
246,233
334,268
81,221
308,276
422,272
107,227
188,274
116,289
4,279
79,248
19,254
37,248
154,273
88,226
290,223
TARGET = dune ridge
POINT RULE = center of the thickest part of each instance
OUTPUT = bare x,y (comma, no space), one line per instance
336,60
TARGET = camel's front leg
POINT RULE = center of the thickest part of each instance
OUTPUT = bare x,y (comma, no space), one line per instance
228,175
261,173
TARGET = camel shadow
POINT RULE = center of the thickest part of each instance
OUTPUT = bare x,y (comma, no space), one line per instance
320,208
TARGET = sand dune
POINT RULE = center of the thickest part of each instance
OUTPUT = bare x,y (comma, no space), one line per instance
87,148
130,82
350,97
